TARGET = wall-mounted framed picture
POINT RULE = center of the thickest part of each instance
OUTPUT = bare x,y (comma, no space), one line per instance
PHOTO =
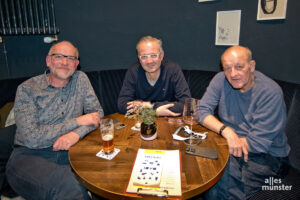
228,27
271,9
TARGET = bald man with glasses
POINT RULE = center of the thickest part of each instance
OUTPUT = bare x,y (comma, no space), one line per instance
53,111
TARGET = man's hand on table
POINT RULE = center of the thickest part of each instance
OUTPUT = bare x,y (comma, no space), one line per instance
237,146
89,119
66,141
164,111
160,111
133,104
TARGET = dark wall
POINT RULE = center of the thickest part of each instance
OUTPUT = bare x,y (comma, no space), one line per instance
106,33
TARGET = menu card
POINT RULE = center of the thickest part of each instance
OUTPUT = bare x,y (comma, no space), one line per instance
156,172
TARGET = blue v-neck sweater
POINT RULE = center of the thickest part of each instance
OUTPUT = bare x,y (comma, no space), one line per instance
171,87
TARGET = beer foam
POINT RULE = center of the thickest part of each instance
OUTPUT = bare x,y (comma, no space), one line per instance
107,137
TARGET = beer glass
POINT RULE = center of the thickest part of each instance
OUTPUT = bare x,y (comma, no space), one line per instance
107,135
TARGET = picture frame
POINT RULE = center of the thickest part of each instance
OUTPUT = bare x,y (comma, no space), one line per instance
271,9
228,27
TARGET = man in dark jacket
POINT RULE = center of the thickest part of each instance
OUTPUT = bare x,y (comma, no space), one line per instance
153,81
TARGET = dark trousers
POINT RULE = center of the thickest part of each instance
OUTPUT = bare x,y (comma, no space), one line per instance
43,174
242,179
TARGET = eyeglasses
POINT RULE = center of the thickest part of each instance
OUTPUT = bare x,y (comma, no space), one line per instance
146,56
60,57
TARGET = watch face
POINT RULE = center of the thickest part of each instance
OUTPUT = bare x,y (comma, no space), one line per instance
268,6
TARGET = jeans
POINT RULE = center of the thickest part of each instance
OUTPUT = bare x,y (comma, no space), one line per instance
43,174
242,179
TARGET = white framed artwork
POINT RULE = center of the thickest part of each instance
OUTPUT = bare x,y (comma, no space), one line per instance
228,27
271,9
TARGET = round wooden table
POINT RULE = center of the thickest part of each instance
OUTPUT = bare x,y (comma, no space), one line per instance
109,178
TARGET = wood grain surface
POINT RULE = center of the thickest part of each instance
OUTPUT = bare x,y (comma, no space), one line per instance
109,178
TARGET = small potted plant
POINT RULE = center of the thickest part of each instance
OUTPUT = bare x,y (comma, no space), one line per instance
148,125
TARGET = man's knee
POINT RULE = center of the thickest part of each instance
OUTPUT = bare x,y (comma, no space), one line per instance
69,188
35,176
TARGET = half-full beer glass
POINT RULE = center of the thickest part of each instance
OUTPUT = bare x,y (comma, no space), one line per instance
107,135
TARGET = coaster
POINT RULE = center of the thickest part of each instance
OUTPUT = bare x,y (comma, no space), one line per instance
135,129
101,154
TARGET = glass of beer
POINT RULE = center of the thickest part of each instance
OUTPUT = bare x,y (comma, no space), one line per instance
107,135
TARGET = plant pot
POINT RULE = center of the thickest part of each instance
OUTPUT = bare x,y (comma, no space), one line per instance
148,131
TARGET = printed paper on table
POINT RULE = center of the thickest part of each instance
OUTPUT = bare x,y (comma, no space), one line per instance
155,171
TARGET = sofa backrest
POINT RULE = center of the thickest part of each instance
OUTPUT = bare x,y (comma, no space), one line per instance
8,90
291,93
107,85
198,81
292,100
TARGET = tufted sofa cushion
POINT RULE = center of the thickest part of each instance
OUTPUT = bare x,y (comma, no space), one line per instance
107,85
198,81
293,130
291,94
8,90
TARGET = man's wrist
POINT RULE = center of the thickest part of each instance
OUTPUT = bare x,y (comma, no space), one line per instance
222,129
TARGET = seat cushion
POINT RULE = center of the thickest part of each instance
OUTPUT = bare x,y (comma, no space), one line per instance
4,112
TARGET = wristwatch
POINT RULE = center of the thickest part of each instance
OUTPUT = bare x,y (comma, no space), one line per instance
222,129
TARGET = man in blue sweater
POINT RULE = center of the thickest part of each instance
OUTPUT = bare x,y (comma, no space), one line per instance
252,118
153,82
